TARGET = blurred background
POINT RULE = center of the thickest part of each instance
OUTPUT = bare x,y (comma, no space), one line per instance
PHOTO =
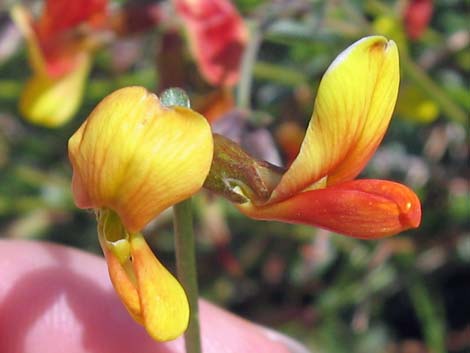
405,294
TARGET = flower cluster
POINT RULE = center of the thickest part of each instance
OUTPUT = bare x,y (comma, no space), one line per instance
134,157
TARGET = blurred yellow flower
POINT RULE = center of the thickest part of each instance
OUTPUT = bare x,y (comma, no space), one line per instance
414,105
59,57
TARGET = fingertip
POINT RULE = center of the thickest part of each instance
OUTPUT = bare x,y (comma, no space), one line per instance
224,332
55,299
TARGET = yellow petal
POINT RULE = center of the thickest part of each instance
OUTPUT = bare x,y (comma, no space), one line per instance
165,308
51,102
153,297
352,110
137,157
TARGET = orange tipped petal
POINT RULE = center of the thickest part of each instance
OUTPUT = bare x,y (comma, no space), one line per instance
352,111
60,78
150,293
361,208
122,284
217,36
165,308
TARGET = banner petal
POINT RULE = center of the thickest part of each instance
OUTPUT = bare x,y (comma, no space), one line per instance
352,111
136,157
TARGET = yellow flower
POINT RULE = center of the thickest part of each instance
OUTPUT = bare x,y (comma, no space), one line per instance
132,158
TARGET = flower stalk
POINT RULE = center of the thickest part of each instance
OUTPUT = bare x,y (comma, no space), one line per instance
185,245
185,249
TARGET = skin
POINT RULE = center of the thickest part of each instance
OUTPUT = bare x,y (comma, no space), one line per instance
59,299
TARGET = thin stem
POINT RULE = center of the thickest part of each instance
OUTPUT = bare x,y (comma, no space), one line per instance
429,311
248,61
186,268
185,245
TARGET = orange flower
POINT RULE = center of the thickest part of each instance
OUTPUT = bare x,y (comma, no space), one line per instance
217,37
132,158
353,108
60,57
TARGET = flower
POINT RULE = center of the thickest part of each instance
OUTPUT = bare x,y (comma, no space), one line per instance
353,108
59,51
132,158
217,38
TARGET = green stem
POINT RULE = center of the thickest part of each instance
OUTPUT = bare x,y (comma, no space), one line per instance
185,245
186,268
280,74
248,61
429,312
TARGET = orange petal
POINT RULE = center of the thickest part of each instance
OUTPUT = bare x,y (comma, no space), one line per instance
352,110
165,308
114,241
360,208
153,297
217,36
123,286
